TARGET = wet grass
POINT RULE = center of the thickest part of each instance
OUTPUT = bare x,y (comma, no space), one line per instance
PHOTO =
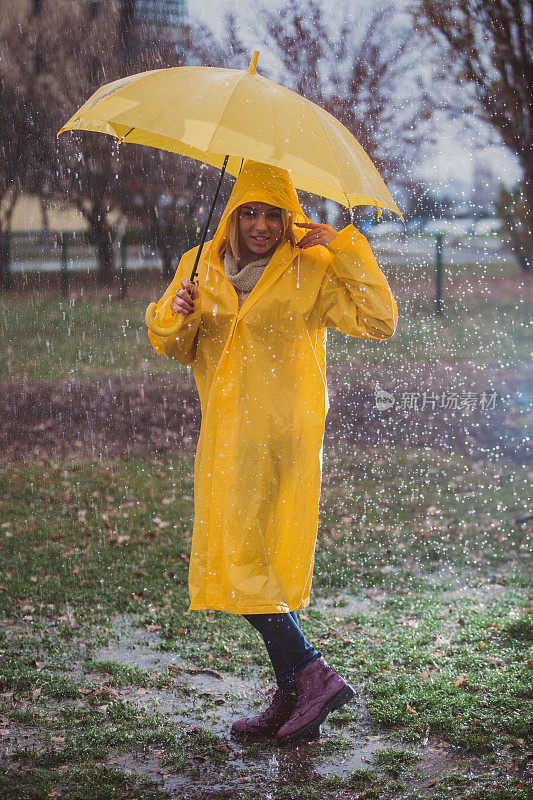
394,761
420,598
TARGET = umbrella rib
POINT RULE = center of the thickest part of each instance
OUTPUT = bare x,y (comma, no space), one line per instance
122,138
273,107
207,150
329,143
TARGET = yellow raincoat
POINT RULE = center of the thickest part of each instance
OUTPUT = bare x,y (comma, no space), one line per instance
261,376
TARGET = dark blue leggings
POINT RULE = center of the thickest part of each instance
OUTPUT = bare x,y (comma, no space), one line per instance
287,647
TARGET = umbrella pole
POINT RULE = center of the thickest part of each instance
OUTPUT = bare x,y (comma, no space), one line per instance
204,233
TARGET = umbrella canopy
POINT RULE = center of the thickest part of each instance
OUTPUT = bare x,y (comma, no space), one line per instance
209,113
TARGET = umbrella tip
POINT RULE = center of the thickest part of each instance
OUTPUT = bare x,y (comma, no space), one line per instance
253,63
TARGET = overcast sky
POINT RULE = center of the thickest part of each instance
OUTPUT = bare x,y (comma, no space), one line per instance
452,161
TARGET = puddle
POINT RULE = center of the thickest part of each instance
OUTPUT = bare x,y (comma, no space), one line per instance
214,702
270,767
208,701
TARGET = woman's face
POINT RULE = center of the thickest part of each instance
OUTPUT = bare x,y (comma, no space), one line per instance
260,229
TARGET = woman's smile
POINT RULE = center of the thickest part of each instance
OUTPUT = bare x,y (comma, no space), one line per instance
260,229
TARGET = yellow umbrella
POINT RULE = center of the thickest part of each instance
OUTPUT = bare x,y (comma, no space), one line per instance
223,116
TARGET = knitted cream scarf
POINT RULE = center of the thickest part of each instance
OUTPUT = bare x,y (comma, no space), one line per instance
243,279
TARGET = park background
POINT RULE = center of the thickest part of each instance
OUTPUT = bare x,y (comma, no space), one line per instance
422,587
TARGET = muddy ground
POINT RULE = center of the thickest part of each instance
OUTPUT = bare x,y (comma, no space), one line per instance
124,416
205,699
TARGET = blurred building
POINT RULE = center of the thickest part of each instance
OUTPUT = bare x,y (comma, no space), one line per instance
148,24
140,23
161,12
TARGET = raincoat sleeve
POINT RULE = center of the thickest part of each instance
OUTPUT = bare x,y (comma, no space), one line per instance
355,297
182,345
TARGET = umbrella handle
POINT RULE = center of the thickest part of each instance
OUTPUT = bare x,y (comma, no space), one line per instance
149,318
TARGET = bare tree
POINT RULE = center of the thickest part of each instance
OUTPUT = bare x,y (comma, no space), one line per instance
86,172
487,48
167,196
53,63
512,209
357,78
227,51
13,133
88,178
25,145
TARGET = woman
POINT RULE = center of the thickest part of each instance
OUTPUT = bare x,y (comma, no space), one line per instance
254,327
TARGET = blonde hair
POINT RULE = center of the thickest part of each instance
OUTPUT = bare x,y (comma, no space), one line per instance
232,240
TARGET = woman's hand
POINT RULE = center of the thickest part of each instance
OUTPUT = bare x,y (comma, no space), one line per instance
183,303
320,233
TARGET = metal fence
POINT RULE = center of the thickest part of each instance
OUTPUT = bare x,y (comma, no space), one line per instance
74,253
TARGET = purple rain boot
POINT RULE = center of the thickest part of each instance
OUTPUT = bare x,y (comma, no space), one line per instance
319,690
267,723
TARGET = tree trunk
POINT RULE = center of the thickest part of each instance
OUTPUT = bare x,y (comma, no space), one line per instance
105,255
166,261
526,257
161,244
4,280
5,232
515,209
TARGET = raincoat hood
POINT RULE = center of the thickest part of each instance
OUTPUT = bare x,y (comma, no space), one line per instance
265,184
